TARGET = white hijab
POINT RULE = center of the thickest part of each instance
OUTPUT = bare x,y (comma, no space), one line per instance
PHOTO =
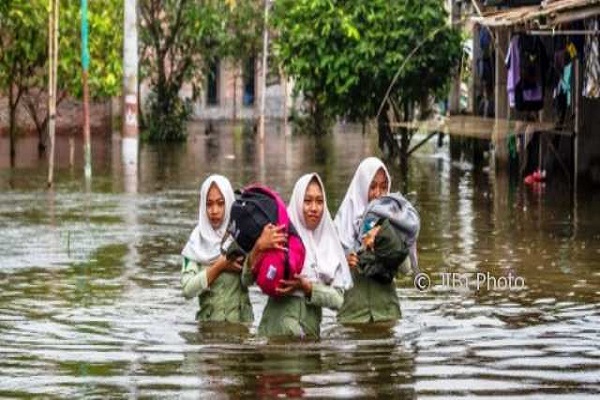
203,246
354,204
325,260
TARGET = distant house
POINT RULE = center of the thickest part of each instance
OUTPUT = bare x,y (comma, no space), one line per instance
234,92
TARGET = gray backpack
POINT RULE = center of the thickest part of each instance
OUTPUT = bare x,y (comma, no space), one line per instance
403,217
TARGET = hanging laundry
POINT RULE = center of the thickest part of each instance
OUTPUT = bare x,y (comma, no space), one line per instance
591,80
485,63
512,63
527,62
561,99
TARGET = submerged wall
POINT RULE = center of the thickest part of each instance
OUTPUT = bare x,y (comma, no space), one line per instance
589,141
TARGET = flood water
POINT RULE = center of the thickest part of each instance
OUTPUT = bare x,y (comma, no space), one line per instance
90,302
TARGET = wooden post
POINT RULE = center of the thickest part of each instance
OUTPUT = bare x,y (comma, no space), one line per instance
576,124
454,101
475,87
261,118
52,64
501,99
85,63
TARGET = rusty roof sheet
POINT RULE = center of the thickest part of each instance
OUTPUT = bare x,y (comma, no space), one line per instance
548,9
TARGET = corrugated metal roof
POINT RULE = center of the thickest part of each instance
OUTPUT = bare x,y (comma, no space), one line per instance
551,10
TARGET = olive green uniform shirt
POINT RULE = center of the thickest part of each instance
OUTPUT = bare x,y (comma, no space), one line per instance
296,315
225,300
371,301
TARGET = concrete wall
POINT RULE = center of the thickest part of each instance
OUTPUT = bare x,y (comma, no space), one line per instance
231,87
230,93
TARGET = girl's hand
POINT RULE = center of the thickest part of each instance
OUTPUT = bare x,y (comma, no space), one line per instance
272,237
234,265
288,286
352,259
369,238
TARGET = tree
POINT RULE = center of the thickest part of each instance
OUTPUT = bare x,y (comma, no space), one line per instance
106,48
179,39
344,55
105,58
22,53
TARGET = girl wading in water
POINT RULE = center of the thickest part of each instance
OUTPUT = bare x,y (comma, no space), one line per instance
368,300
325,274
206,273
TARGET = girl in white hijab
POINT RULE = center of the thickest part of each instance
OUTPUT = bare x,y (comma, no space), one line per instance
325,274
368,300
371,180
205,272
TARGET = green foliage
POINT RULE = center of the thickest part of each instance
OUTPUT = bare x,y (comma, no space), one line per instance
244,22
179,39
105,76
343,55
167,123
25,39
22,42
22,53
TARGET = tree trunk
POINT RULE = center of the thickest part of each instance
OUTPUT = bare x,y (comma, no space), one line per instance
405,140
385,135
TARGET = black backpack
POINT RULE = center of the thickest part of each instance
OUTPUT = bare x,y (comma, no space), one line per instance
390,250
254,207
250,212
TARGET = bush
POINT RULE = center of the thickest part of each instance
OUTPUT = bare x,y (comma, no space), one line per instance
167,119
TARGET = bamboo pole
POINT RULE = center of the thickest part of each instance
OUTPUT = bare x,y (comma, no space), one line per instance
261,118
85,62
52,65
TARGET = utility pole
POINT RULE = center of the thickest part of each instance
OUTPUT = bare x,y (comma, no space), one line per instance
130,71
130,132
261,118
52,64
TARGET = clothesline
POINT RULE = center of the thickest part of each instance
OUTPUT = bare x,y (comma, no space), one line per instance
565,32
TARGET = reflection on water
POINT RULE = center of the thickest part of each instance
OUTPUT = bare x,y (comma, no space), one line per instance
90,303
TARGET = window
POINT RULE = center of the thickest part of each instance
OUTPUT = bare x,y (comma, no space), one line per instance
212,84
248,76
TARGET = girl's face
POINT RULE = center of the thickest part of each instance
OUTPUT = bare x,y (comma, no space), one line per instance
313,206
379,185
215,206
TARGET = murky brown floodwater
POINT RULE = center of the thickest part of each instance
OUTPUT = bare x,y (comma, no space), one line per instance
90,304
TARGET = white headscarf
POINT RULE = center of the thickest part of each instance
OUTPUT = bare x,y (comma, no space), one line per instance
203,246
325,261
353,206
